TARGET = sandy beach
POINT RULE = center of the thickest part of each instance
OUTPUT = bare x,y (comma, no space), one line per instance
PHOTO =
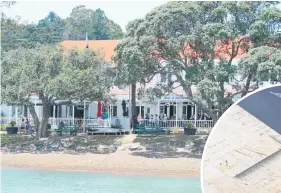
118,163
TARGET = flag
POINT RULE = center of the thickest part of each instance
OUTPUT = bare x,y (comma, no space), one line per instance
87,43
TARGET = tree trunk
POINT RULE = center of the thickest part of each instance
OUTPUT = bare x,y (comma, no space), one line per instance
43,127
133,106
247,86
34,116
44,123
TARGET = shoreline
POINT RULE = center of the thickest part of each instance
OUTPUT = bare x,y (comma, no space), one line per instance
119,163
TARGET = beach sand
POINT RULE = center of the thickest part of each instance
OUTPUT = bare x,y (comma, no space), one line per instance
120,162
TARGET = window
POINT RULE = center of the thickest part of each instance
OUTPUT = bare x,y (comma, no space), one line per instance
114,114
113,111
148,110
70,110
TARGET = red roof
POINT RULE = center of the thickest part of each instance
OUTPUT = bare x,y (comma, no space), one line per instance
107,47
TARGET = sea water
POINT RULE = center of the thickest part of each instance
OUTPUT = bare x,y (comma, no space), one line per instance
36,181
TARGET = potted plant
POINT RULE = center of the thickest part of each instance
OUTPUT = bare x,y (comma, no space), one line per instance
11,129
189,129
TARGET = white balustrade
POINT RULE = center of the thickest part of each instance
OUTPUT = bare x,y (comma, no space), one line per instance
204,124
56,121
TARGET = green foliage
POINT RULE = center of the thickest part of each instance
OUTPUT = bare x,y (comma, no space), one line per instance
12,123
52,29
53,75
192,36
263,63
76,75
96,23
190,125
3,127
154,92
84,76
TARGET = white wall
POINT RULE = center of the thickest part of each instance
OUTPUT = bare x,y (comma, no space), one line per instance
6,110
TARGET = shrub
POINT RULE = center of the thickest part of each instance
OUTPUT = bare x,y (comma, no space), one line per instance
12,123
3,127
190,125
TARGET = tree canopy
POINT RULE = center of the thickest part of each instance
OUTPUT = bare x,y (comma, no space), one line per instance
53,75
200,41
52,29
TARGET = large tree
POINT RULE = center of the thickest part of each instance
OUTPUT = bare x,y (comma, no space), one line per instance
199,42
95,23
262,64
15,33
52,29
53,75
135,63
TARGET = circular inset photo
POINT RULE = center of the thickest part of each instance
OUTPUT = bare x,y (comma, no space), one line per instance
243,151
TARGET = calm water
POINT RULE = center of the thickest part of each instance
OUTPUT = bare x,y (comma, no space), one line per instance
33,181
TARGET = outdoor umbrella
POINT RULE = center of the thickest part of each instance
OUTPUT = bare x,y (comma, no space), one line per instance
99,109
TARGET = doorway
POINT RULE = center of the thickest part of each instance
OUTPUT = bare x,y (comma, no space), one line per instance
173,110
187,110
140,111
168,109
78,112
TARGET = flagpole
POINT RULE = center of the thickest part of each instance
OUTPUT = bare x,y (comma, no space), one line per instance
87,42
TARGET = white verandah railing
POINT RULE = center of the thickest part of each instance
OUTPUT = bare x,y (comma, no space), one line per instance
166,124
56,121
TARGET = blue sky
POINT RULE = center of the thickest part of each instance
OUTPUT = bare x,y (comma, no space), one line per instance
120,12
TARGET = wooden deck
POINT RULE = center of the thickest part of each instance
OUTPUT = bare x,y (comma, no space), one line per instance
109,131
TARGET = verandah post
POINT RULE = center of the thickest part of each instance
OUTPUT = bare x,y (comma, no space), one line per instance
176,114
84,118
195,116
54,114
73,114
